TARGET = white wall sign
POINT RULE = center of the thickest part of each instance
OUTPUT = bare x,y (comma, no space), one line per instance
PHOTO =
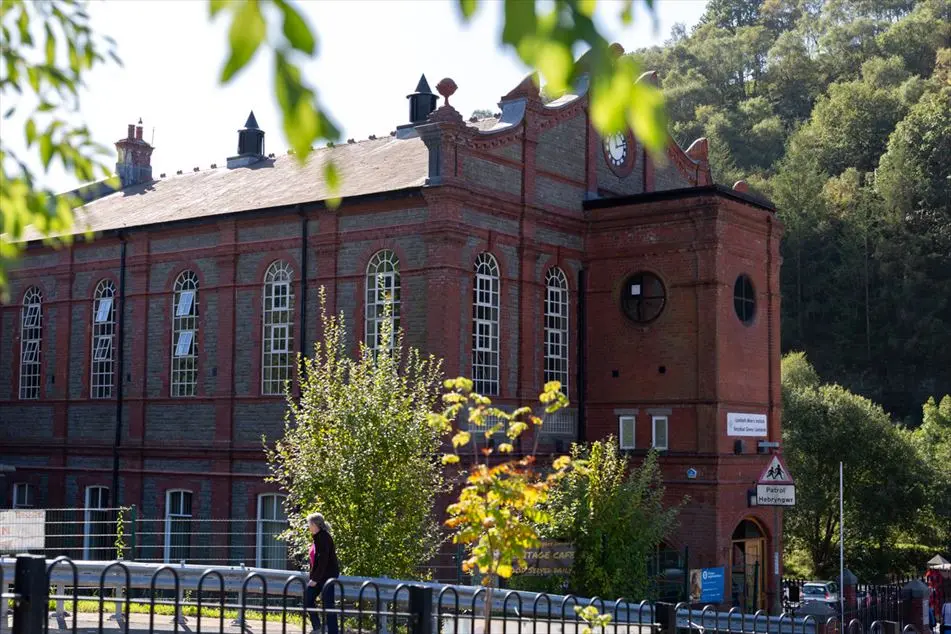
746,424
776,495
21,531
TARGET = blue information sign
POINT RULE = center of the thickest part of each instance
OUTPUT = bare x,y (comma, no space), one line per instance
706,585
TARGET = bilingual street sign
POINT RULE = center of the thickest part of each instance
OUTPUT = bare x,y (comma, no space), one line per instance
775,486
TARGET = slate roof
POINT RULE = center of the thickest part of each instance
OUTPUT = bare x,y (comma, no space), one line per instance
366,167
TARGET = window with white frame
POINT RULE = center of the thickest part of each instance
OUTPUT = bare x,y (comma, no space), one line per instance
556,327
485,325
185,335
383,288
98,540
178,525
31,340
272,521
24,495
626,432
277,342
659,438
102,364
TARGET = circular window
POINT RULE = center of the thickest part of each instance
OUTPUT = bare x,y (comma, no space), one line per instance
744,300
643,297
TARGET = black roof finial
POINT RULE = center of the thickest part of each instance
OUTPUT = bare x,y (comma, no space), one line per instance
251,123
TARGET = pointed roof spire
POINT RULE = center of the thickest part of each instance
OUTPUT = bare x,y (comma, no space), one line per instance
251,123
423,86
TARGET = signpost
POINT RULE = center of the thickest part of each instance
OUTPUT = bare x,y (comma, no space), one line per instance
775,486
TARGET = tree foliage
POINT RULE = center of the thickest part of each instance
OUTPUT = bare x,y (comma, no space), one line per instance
933,439
46,50
614,516
358,447
545,35
824,424
840,111
501,503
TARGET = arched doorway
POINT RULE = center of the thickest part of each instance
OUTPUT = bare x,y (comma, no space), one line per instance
748,566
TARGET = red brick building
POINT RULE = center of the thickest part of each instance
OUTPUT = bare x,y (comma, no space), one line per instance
522,248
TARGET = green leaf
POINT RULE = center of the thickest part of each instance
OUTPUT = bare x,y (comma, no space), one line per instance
215,6
332,176
30,132
555,62
587,7
245,36
46,150
50,45
520,21
23,24
648,117
296,30
468,8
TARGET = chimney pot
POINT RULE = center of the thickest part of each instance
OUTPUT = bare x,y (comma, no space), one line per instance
138,132
131,131
421,102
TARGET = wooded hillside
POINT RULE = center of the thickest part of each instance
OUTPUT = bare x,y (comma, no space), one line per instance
840,112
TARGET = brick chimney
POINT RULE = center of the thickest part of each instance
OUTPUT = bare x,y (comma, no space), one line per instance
135,158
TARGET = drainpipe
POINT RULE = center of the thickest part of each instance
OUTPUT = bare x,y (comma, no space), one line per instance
120,379
303,280
582,352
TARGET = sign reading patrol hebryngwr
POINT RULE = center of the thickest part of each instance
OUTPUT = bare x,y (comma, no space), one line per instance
776,486
738,424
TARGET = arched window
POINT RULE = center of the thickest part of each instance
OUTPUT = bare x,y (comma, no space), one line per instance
178,525
485,325
102,366
185,335
277,343
383,286
31,339
556,327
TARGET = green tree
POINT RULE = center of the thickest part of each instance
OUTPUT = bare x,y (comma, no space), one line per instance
614,516
358,447
46,49
823,425
933,439
544,35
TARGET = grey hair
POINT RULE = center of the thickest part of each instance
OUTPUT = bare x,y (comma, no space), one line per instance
318,520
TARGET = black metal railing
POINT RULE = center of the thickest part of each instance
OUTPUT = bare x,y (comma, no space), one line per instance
163,597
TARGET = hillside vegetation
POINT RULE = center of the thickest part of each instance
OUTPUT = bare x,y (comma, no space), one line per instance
840,112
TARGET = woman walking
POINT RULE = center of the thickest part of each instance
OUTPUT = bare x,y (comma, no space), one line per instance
324,566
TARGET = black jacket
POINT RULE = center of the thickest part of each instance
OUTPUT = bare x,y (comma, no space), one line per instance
326,566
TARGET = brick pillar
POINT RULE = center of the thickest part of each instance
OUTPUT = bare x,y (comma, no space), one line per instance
915,593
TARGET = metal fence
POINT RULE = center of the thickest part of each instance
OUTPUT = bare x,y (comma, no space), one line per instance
157,597
872,603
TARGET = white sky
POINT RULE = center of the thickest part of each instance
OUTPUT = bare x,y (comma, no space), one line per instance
371,53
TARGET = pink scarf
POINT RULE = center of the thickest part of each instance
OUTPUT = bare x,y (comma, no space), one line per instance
313,555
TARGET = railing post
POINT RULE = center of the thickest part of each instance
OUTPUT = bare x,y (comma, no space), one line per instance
665,614
421,610
30,582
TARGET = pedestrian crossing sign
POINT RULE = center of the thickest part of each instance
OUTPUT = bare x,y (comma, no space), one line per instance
776,473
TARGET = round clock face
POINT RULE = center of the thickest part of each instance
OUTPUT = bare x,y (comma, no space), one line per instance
619,153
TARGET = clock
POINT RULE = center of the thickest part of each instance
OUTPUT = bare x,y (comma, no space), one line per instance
619,153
